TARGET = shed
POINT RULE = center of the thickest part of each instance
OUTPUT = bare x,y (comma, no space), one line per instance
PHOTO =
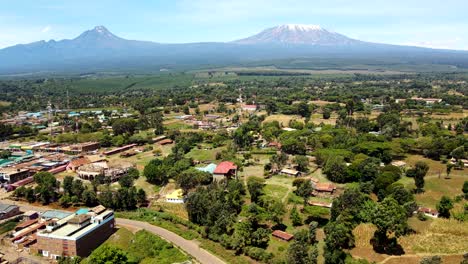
282,235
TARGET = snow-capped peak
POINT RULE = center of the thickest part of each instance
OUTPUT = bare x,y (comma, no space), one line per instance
101,29
301,27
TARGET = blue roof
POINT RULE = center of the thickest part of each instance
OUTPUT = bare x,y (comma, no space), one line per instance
55,214
82,211
209,168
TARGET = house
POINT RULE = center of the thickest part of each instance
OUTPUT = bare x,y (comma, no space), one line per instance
274,144
251,108
282,235
77,163
290,172
77,234
30,215
177,196
399,163
8,210
428,211
320,204
325,188
225,170
165,142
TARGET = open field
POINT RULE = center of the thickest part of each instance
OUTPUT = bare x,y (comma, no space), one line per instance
431,237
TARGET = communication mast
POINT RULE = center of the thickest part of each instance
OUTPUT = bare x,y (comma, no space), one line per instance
49,116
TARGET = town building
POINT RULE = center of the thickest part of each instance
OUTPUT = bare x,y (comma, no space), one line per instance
12,175
225,170
76,235
8,210
111,170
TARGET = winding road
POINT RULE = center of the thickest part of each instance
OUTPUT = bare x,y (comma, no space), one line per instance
189,246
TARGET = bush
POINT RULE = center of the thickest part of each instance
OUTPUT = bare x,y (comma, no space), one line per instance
422,216
258,254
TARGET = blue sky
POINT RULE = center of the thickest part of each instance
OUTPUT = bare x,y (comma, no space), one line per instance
429,23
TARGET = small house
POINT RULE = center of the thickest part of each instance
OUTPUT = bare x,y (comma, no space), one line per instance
225,170
177,196
399,163
290,172
325,188
282,235
166,141
428,212
76,163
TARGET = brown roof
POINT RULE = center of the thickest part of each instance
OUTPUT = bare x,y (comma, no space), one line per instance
282,235
325,187
79,162
165,141
25,224
428,210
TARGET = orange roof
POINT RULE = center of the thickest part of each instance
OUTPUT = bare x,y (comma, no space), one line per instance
283,235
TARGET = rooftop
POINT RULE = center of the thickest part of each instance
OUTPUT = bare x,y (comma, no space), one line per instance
224,167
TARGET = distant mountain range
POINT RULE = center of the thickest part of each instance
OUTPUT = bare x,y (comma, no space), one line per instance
98,50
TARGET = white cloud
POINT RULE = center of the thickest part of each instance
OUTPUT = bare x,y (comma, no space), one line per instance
46,29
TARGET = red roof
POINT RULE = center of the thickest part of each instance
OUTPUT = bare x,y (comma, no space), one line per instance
282,235
224,167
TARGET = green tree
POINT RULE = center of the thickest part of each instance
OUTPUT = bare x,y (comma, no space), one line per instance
77,188
192,178
418,173
67,184
126,181
390,218
302,163
295,217
465,189
335,169
46,188
444,206
255,187
89,198
155,174
124,126
313,232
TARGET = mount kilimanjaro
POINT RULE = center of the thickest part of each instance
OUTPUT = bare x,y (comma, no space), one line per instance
98,50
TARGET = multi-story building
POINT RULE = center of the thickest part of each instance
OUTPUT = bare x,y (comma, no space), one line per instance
76,235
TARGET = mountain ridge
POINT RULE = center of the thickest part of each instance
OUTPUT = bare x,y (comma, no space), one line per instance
98,49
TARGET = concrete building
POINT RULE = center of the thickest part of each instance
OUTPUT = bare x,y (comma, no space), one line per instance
12,175
76,235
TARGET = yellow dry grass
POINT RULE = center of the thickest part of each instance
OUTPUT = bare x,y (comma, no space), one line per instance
443,236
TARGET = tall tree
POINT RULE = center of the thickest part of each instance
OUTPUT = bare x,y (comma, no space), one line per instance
444,206
255,187
418,173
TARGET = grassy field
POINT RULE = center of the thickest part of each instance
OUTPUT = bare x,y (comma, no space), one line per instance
144,247
204,154
8,226
432,237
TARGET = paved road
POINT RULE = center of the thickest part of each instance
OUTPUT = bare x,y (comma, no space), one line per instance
189,246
